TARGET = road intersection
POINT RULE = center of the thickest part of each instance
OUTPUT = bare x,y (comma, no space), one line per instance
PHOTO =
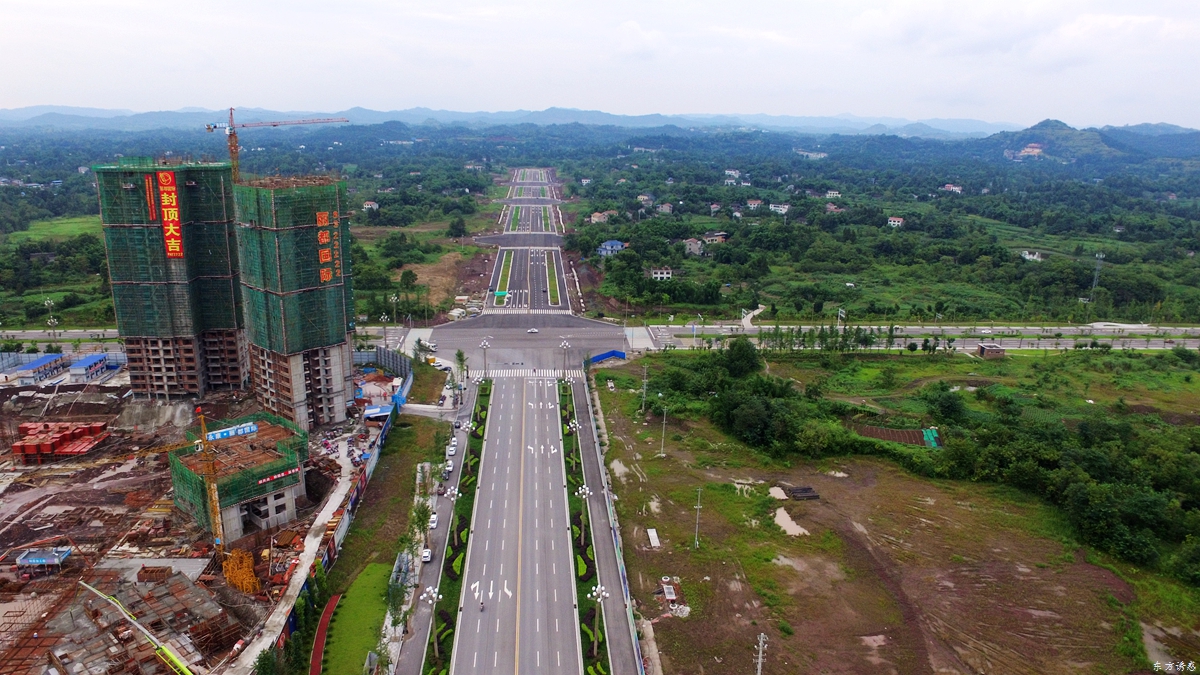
520,561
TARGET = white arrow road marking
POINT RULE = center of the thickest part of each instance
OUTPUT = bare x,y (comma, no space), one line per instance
506,591
475,590
491,584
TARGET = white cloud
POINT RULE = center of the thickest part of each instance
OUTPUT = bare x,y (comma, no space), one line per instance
1084,61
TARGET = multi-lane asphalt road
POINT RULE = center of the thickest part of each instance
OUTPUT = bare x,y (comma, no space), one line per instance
520,565
520,562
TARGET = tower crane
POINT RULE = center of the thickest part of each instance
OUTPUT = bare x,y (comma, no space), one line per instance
173,662
231,136
208,471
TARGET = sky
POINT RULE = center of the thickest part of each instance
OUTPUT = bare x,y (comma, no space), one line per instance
1088,63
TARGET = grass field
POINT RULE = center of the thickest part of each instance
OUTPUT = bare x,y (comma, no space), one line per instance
428,383
358,621
57,228
383,516
888,562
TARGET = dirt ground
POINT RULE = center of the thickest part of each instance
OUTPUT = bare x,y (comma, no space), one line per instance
896,574
441,277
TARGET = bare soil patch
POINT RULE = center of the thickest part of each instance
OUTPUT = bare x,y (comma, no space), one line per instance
898,575
441,277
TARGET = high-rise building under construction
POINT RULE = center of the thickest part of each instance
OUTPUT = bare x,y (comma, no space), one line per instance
169,233
293,248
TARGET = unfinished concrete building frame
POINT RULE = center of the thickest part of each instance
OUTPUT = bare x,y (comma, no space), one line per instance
293,247
169,233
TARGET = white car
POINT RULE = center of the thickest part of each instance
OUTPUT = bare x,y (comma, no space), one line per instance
426,555
433,522
986,331
532,330
450,465
451,449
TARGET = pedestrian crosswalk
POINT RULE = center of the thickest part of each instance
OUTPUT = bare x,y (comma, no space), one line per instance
523,310
553,373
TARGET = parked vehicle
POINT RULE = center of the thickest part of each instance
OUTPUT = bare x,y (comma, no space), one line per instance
450,465
433,522
426,555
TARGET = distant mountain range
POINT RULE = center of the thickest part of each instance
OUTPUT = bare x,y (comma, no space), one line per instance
65,117
1050,140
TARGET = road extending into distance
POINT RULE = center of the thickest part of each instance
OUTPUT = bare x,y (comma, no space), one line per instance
520,562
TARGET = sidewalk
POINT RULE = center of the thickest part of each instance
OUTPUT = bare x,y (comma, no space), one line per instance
244,664
412,655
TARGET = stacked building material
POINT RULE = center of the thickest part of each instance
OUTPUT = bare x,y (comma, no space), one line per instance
42,442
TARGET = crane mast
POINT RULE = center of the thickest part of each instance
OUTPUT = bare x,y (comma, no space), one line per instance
208,471
231,135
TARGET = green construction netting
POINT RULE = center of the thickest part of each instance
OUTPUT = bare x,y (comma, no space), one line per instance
289,307
154,296
189,486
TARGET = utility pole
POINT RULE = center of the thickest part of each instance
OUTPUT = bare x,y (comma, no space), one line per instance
1096,277
696,541
643,410
762,648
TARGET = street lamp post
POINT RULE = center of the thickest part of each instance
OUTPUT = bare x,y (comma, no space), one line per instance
431,597
696,541
52,322
565,346
484,346
583,493
599,594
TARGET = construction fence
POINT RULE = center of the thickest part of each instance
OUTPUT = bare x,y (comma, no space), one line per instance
190,493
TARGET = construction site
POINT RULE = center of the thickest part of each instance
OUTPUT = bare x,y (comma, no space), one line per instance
119,492
160,510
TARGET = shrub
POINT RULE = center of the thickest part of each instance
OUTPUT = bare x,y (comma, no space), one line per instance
581,566
786,628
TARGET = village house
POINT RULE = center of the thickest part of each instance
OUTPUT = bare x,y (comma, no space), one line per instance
832,194
660,273
714,237
610,247
693,246
753,204
894,221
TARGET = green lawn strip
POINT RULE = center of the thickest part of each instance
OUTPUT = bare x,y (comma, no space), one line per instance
552,275
428,383
502,286
514,221
58,229
383,515
358,621
591,623
453,559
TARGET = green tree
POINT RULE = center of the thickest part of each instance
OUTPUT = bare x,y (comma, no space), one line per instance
408,279
458,227
741,358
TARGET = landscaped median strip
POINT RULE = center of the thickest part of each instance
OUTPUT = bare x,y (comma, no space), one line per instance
552,276
502,285
588,590
446,597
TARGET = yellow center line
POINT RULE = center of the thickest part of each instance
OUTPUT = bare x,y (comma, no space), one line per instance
520,529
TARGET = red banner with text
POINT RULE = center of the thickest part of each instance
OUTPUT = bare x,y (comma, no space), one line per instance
168,200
